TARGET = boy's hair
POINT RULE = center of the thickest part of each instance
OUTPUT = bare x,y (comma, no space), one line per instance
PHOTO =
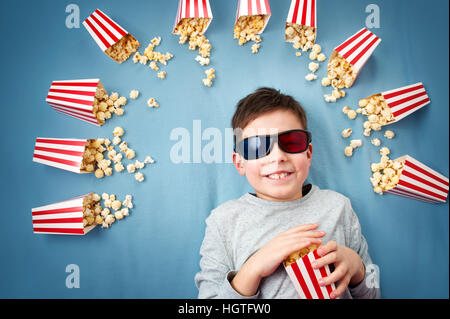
262,101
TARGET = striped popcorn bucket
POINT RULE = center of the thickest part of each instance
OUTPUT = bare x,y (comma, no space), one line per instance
63,218
75,98
357,49
63,153
254,7
306,279
303,12
107,33
418,181
193,9
406,100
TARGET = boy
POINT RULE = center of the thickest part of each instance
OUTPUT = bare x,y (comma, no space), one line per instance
247,239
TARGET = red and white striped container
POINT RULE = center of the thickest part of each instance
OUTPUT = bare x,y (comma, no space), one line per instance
420,182
358,48
105,31
75,98
306,279
63,218
254,7
303,12
193,9
62,153
406,100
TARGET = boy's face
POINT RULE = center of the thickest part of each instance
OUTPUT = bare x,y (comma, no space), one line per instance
258,171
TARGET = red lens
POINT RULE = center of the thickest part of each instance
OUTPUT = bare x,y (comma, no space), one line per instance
293,142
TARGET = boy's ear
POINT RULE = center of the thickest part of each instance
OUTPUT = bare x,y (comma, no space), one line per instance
238,162
309,152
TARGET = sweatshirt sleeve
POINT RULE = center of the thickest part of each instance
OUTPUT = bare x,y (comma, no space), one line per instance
369,288
216,269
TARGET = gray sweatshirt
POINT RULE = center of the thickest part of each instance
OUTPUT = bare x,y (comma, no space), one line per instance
238,228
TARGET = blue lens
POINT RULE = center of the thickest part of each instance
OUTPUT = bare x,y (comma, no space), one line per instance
256,147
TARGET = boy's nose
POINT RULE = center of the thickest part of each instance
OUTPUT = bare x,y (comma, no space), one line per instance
277,154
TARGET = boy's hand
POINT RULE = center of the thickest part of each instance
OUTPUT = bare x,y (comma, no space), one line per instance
349,268
267,259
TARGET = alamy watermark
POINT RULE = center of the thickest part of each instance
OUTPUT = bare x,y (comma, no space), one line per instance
73,279
372,276
73,17
211,145
373,19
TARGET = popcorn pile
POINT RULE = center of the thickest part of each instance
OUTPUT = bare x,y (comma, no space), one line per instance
93,155
104,105
94,160
340,75
378,113
191,30
302,36
247,29
95,214
385,174
292,258
92,210
106,217
153,57
122,49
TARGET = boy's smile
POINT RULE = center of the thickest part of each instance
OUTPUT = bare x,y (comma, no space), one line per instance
278,176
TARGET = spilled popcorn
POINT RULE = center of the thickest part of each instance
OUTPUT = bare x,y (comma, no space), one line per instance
192,30
153,56
247,29
378,113
302,36
94,160
105,217
106,105
209,76
123,49
152,102
134,94
385,174
348,151
346,132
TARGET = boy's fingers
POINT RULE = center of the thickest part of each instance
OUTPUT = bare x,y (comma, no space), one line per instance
343,284
302,228
327,248
325,260
296,245
336,275
307,234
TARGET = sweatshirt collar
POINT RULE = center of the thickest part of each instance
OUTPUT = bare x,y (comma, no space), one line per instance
307,190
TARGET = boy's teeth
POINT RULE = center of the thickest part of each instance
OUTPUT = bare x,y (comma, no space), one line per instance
278,176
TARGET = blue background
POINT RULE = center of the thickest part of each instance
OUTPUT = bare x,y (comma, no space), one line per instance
154,253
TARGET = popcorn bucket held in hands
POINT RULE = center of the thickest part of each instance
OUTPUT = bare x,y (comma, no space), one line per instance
306,279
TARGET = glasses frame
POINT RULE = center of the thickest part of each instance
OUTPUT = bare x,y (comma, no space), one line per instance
239,147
